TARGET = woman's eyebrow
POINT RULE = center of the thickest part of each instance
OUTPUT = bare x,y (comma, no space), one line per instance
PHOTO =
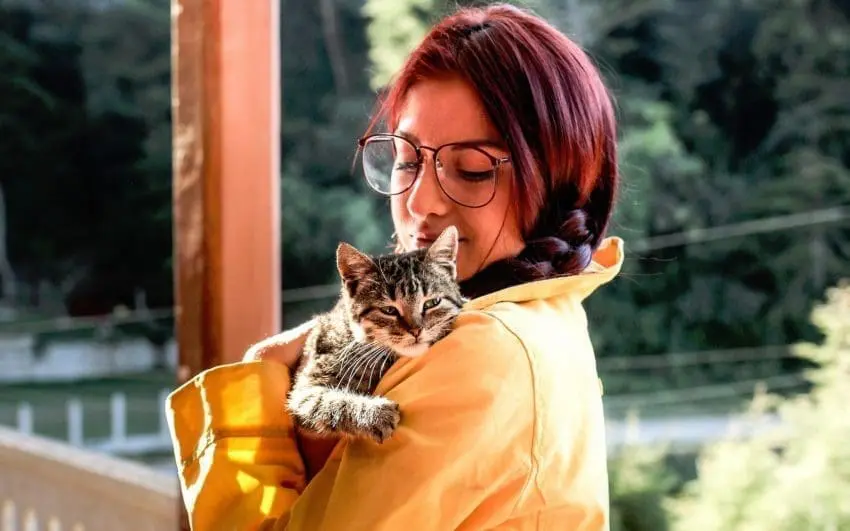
408,135
485,142
477,142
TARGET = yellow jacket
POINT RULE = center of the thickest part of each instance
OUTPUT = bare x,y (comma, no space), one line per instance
502,428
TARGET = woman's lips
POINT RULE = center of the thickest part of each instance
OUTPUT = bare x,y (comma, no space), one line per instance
426,239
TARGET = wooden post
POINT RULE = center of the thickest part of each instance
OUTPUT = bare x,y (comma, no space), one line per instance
226,135
226,115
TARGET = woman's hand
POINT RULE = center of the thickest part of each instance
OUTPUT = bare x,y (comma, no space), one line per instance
286,348
282,348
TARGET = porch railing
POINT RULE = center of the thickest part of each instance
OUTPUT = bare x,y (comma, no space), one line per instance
52,486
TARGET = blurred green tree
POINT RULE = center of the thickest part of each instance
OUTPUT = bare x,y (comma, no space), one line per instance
794,476
639,484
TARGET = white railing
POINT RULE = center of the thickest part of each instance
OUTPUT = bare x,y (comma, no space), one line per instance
50,485
69,360
119,441
686,433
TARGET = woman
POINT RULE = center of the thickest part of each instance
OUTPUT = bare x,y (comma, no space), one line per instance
512,138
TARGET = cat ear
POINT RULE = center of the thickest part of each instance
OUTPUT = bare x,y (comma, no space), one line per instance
352,264
444,250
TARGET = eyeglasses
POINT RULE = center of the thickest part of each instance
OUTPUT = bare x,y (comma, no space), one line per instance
465,172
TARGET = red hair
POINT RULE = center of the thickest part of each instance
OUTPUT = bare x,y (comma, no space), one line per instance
548,101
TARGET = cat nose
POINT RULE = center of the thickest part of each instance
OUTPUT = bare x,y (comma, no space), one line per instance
415,332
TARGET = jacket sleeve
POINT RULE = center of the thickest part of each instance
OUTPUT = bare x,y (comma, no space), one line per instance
460,459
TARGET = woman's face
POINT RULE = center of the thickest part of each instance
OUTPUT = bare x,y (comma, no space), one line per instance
438,112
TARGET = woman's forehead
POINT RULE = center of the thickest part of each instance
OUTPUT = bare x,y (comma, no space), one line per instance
436,112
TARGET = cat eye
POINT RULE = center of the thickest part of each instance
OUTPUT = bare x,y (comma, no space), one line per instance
431,303
389,310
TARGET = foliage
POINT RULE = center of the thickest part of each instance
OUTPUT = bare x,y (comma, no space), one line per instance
394,28
795,475
85,167
723,81
639,483
314,225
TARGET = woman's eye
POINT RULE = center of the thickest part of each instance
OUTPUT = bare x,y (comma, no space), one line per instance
431,303
476,176
407,166
389,310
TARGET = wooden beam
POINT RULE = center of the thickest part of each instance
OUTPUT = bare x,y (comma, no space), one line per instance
226,116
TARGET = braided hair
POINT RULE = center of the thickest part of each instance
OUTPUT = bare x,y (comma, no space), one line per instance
561,244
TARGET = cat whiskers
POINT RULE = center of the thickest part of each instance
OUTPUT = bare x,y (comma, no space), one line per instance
353,355
373,351
371,357
348,361
371,368
386,359
345,354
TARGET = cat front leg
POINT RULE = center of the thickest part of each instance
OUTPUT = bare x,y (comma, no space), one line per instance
329,411
376,417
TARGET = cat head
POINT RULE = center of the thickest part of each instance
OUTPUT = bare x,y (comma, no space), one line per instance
406,301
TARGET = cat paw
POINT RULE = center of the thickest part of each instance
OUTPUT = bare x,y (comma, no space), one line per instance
385,416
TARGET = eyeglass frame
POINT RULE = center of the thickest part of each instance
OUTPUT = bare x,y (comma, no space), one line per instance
472,144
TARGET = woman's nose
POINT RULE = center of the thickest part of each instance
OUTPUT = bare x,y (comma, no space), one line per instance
425,197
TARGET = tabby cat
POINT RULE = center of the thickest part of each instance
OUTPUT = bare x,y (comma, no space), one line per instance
390,306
